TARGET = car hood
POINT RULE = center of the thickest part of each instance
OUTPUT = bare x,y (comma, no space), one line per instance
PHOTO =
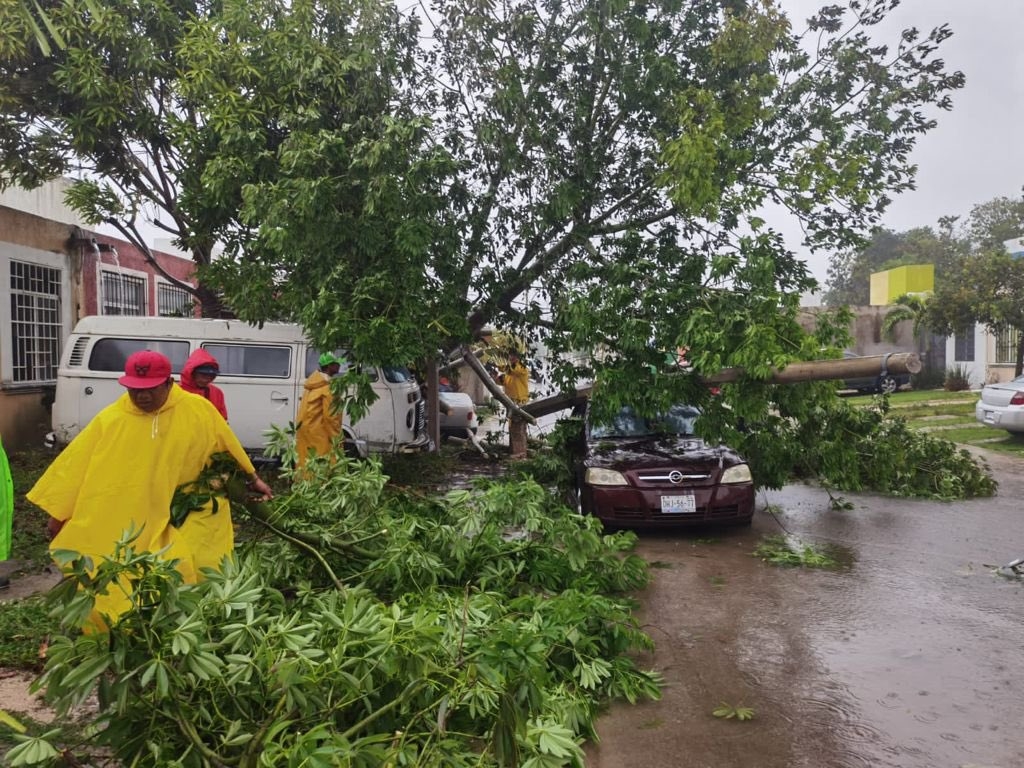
657,451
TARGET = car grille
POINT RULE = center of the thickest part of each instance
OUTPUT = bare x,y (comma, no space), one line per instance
702,513
664,478
421,417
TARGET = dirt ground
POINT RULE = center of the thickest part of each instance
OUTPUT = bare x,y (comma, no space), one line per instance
909,656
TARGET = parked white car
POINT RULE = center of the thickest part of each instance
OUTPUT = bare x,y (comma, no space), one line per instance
1002,405
458,419
458,414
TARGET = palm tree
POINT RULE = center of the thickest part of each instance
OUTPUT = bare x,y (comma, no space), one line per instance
912,307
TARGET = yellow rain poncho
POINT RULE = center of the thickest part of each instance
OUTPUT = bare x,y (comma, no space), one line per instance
517,383
122,471
319,423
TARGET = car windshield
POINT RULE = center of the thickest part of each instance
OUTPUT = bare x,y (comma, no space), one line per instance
678,420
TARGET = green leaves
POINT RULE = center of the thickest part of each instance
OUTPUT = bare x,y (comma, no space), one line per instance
33,750
481,626
731,712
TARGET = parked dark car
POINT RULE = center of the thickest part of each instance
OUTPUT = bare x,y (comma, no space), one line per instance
878,383
656,472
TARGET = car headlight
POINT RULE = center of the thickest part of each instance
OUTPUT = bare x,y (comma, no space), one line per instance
738,474
597,476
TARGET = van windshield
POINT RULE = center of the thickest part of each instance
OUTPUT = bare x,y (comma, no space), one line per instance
397,374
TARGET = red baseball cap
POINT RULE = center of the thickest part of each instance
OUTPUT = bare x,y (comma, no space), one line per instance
145,369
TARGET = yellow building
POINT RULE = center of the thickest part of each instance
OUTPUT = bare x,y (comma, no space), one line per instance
888,286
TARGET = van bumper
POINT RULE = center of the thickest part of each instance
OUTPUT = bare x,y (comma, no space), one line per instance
421,443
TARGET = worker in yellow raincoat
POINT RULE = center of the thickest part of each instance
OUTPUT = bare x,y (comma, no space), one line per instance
122,470
515,378
319,423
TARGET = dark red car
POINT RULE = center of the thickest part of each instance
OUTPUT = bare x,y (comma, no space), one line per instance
656,472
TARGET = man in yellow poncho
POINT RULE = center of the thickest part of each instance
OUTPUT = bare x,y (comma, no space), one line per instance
319,415
122,470
516,379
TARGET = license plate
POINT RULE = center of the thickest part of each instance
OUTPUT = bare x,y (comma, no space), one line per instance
678,505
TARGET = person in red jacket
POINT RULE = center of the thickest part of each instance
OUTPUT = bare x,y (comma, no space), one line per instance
197,377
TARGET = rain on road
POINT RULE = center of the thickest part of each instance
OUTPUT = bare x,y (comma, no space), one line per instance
909,656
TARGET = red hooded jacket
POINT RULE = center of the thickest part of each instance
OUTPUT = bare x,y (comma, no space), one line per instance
212,393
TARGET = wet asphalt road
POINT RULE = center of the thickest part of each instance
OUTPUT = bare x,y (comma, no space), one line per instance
909,656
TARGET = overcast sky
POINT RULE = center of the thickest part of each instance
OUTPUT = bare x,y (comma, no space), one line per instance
976,152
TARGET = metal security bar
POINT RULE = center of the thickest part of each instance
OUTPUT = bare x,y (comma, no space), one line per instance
122,294
1006,345
172,301
36,331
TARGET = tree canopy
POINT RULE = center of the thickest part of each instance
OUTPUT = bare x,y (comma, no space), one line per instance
591,174
986,228
989,289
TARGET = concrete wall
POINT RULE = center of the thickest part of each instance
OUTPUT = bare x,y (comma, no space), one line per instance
24,419
36,228
977,370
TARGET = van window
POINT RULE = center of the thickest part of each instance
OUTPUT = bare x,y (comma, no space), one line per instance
251,360
111,354
397,374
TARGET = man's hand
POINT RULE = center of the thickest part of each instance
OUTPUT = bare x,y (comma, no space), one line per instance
53,526
260,487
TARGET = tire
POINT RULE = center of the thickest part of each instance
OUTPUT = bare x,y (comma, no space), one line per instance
887,384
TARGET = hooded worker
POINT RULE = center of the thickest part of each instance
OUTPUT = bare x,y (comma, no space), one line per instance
197,377
121,473
319,424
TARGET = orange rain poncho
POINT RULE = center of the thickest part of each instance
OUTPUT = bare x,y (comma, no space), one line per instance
122,471
319,421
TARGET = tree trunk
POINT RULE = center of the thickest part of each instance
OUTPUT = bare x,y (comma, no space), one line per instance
211,304
516,437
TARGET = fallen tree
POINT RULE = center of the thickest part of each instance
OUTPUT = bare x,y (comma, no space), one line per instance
360,626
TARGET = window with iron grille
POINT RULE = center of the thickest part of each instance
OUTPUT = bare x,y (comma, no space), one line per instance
963,341
172,301
36,330
122,294
1006,345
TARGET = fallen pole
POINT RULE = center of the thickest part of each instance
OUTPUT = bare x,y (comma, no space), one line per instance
794,373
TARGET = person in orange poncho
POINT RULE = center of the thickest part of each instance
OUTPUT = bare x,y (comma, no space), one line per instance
319,420
121,473
197,377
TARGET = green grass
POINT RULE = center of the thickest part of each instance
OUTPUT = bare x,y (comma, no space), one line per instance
25,626
949,415
900,399
29,540
933,409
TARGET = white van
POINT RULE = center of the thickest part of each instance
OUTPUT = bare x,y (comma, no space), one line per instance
262,372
